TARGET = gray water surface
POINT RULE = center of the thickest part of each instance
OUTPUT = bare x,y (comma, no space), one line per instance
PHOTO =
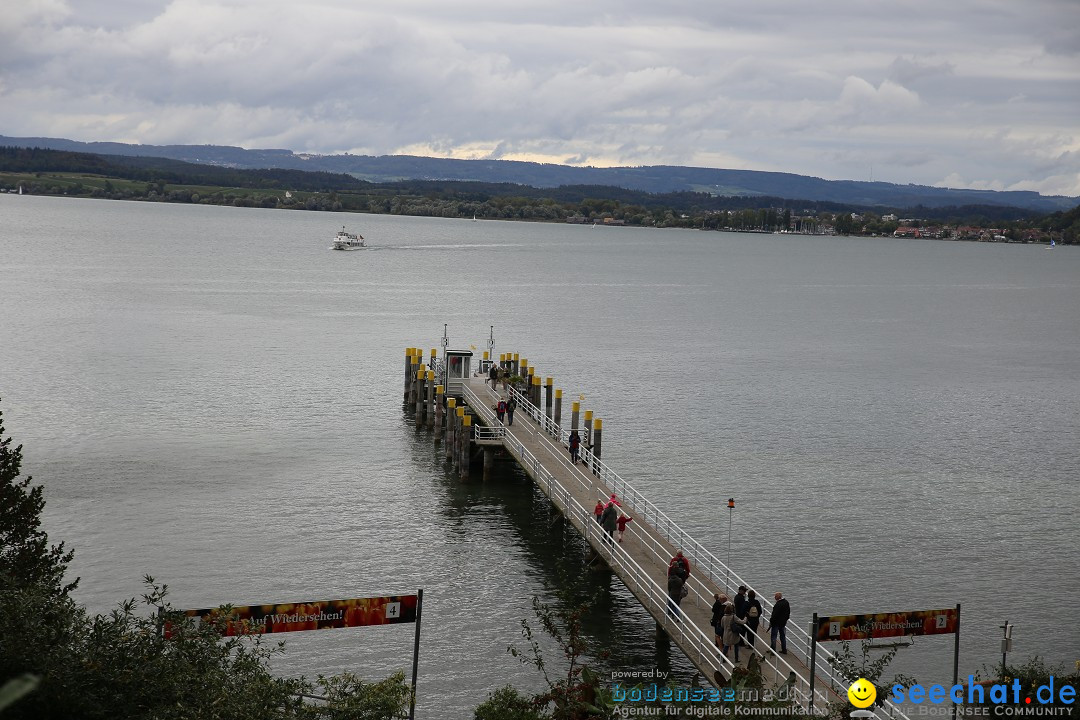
211,396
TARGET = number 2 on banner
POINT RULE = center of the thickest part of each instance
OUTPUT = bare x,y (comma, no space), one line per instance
941,621
393,610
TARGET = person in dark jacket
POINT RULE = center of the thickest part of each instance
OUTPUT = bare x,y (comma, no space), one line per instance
781,613
610,519
676,588
493,375
511,406
575,446
753,617
717,613
740,609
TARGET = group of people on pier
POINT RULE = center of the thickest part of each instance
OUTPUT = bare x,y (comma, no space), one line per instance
612,519
736,622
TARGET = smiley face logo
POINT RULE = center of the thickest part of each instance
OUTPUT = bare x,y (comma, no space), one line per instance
862,693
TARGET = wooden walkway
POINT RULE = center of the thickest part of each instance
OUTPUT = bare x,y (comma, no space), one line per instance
641,560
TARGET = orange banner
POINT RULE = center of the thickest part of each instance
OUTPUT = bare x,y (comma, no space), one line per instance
898,624
312,615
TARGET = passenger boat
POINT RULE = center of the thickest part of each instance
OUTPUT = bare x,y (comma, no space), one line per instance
348,241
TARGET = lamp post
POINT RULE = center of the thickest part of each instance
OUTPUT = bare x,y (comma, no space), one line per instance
731,512
1006,644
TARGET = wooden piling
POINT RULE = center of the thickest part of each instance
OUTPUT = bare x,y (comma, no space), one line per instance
421,380
598,425
439,400
557,416
514,365
459,433
451,411
429,409
575,409
415,369
534,391
489,462
588,428
549,388
408,374
466,445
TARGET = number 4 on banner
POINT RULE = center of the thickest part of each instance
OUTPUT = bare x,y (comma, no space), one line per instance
393,610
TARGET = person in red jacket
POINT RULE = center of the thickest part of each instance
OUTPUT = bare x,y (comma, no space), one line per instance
622,521
679,564
599,509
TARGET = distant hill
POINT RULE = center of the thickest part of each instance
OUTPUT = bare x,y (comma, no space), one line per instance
651,179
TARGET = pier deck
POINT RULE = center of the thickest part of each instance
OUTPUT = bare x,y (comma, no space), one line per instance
641,560
538,442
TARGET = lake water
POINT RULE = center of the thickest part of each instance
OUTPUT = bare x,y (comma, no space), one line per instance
211,396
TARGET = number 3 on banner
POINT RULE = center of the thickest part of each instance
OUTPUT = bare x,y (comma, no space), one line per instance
393,610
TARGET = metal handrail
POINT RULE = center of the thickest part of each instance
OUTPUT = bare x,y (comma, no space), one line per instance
705,562
582,519
489,432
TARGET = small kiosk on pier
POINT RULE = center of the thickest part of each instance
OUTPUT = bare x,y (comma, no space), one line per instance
457,367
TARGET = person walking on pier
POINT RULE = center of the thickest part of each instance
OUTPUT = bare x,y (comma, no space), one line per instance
598,510
681,563
575,446
753,617
676,587
511,406
721,601
781,613
500,409
609,520
623,521
729,631
493,375
741,606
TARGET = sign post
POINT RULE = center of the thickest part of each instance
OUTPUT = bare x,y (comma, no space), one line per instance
320,615
894,624
416,653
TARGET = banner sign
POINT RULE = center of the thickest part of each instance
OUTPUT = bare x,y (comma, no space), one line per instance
914,622
312,615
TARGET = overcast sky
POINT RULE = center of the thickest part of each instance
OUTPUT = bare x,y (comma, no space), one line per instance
958,93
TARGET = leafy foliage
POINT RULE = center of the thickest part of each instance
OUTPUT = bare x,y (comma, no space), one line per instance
25,553
576,693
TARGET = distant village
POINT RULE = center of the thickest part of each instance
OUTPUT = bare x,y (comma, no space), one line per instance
780,221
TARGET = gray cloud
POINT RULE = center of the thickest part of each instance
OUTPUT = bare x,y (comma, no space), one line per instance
980,93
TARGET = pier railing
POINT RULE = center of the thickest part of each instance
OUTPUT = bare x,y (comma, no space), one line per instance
640,582
489,432
705,562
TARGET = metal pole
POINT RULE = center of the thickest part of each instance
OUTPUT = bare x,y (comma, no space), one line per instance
1004,636
731,511
813,658
416,653
956,658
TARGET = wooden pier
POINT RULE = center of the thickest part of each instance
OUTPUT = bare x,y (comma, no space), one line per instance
538,441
